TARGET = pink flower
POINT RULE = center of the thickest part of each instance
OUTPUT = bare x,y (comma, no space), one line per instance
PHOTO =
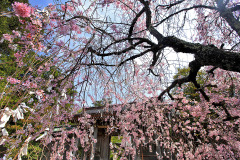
8,37
40,69
33,85
212,133
13,80
16,33
63,7
39,92
37,22
70,8
22,9
114,28
88,29
17,55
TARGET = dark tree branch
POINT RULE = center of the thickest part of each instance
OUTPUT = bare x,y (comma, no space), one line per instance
201,90
171,97
210,85
134,57
133,24
130,39
174,84
78,16
235,8
228,16
194,68
97,64
156,55
149,26
178,82
115,53
151,71
211,70
168,6
206,55
223,105
185,9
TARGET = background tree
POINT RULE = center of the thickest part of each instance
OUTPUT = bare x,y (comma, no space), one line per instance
7,49
8,23
189,90
102,103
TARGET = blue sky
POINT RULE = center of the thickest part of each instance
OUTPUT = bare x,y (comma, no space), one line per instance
40,3
43,3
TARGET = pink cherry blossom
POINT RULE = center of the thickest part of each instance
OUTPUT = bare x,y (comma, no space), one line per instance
22,9
88,29
8,37
13,80
107,52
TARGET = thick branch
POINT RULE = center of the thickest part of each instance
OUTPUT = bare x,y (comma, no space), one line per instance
174,84
236,8
133,24
228,16
206,55
149,26
194,68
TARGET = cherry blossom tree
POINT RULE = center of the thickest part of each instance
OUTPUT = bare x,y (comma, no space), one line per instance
117,49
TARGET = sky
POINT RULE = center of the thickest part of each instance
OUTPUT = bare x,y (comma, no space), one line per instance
43,3
40,3
175,60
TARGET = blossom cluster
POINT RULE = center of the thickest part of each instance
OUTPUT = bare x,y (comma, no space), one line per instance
22,9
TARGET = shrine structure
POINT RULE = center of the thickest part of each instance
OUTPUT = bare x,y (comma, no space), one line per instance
101,149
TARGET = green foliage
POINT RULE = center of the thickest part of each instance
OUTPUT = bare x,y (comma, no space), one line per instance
8,66
34,151
189,90
102,103
116,141
7,24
